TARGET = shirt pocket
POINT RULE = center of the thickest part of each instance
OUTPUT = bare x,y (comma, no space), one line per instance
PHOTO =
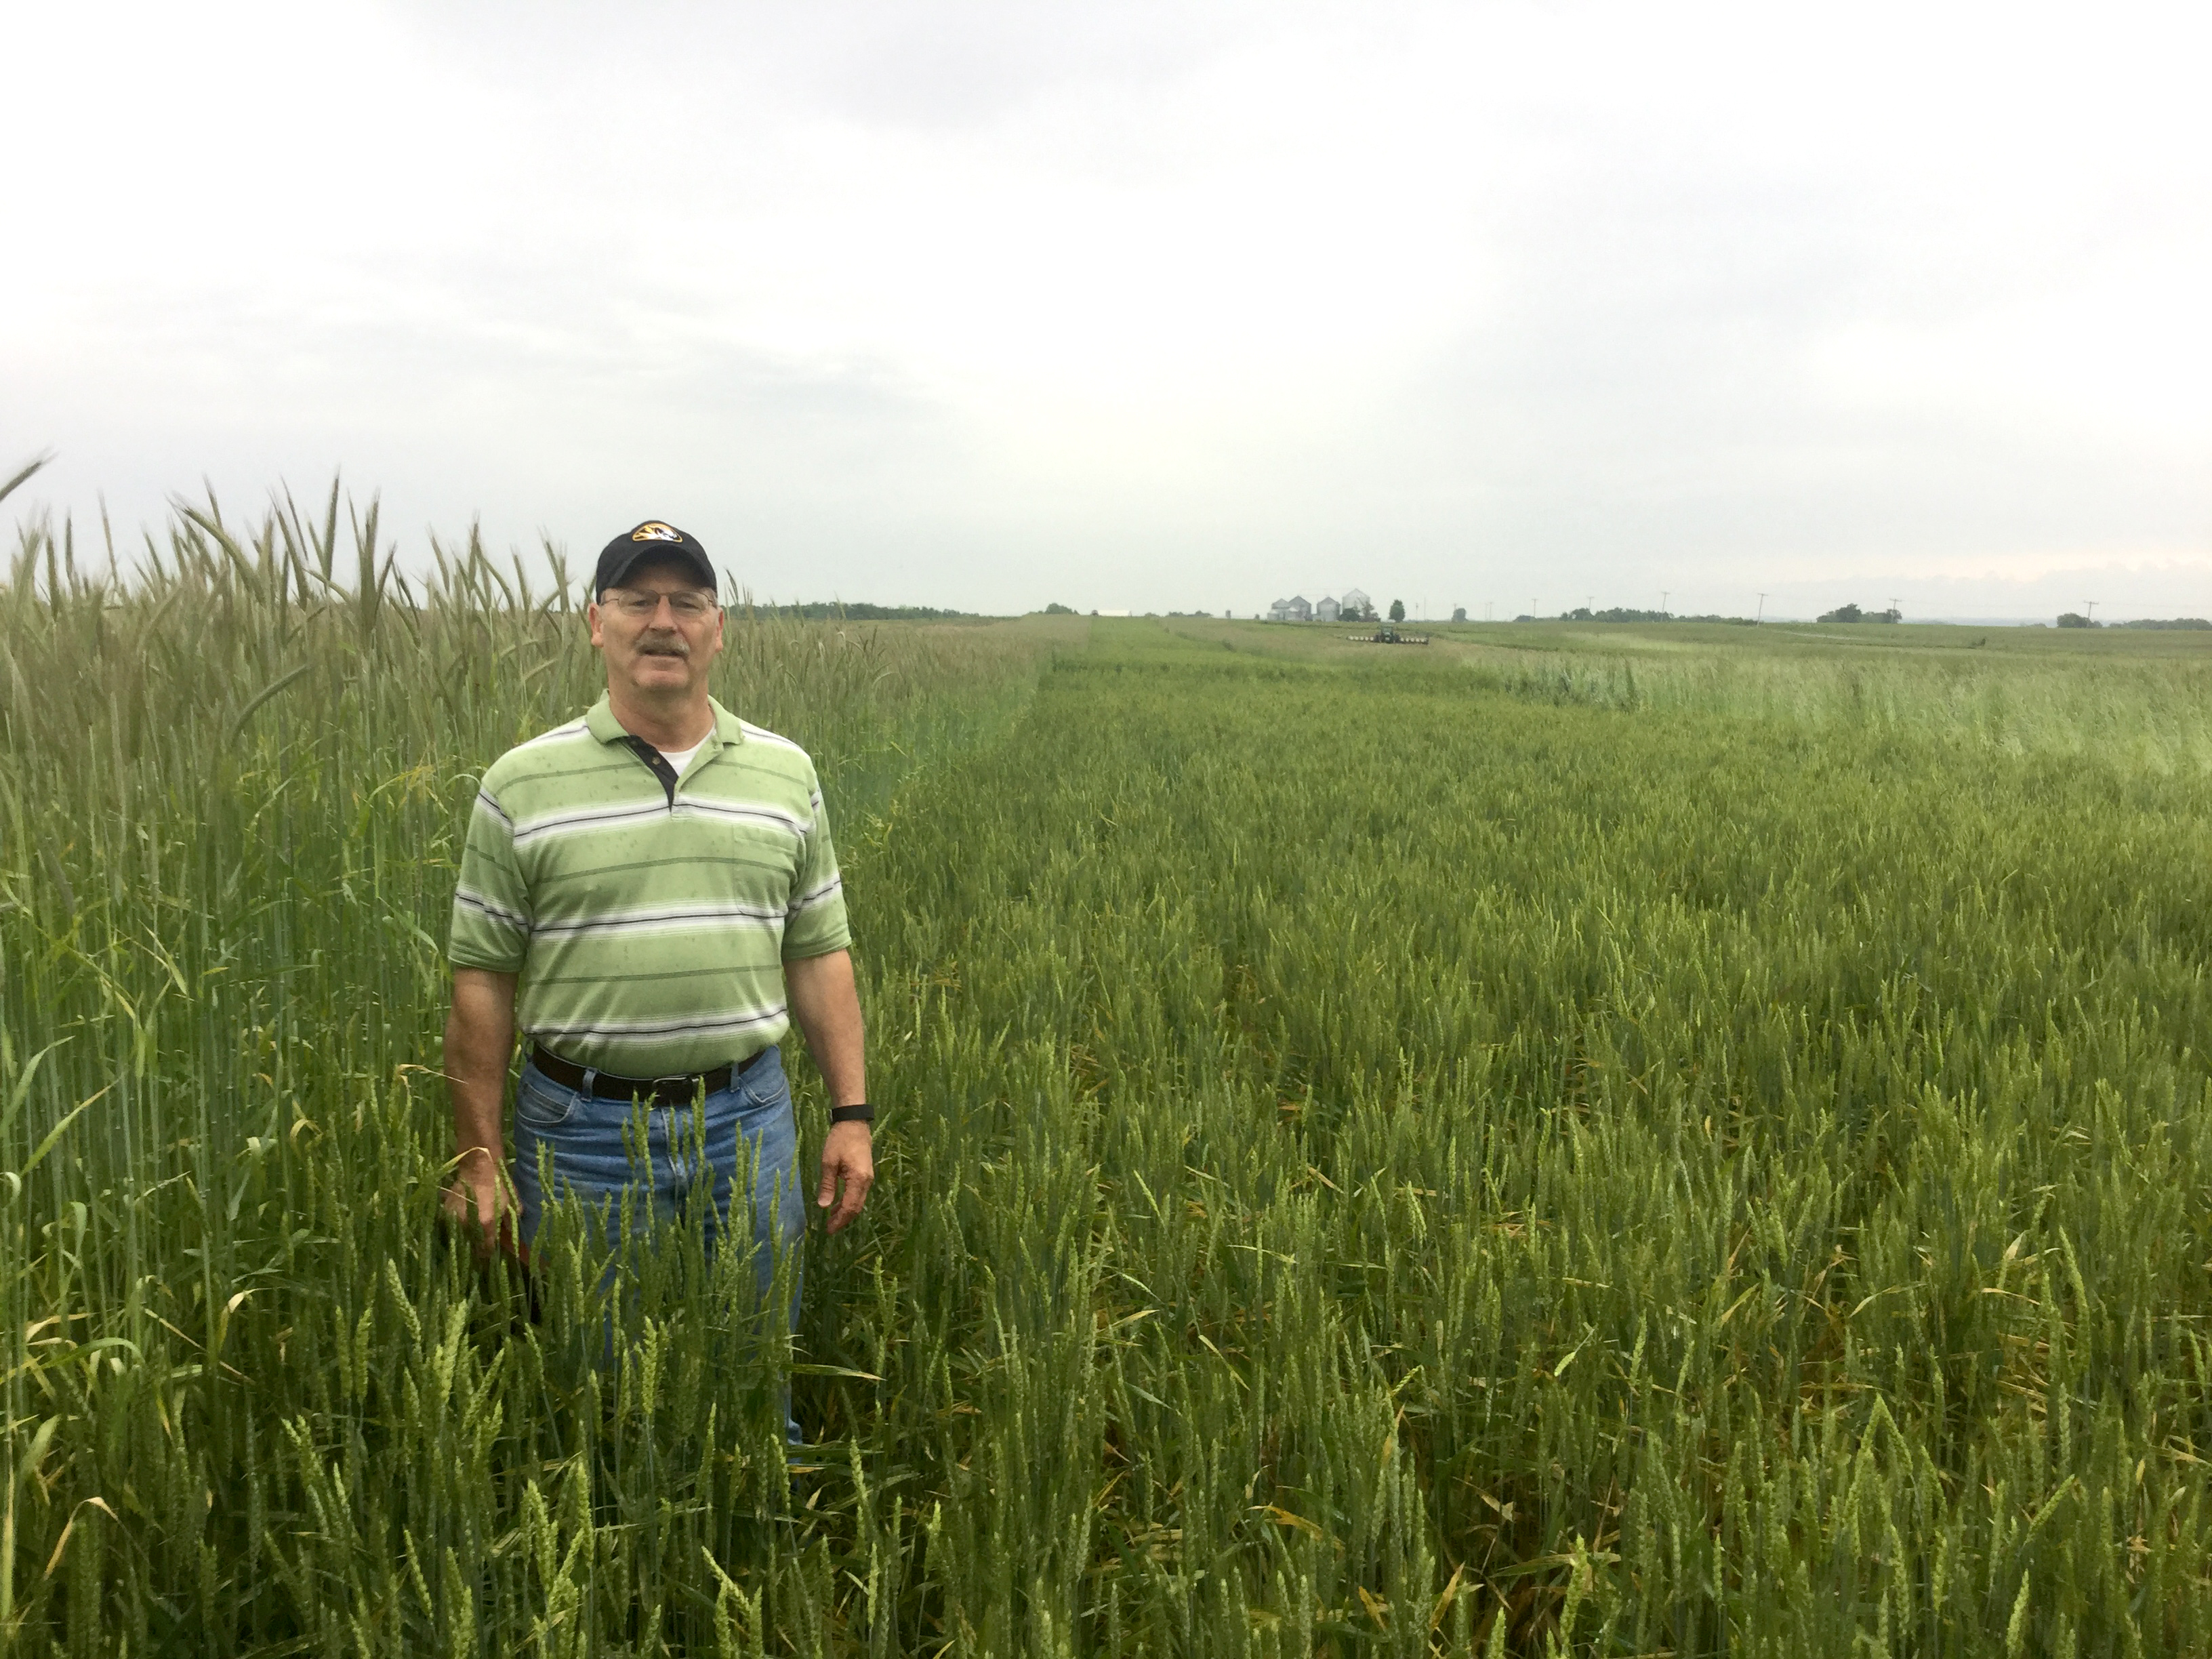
768,855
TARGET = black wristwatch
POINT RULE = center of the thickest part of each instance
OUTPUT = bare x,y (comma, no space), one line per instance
862,1113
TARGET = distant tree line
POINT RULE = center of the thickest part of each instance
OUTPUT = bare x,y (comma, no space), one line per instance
844,610
1851,613
1582,613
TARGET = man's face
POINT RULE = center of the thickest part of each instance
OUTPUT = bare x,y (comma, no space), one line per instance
660,633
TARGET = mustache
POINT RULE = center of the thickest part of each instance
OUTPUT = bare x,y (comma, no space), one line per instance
663,648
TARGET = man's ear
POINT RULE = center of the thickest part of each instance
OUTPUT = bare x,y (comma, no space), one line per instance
591,621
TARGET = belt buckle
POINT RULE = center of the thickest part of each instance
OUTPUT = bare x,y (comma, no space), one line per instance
680,1083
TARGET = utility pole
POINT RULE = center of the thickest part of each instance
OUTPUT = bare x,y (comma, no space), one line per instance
1663,597
1893,611
1761,617
2092,605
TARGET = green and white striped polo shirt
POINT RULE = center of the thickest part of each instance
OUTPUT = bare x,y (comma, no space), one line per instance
650,928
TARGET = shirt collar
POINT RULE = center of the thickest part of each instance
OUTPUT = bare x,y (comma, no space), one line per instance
600,720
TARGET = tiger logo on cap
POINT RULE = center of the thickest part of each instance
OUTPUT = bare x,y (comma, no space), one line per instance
656,531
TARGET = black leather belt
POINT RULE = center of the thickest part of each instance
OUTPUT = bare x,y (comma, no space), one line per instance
660,1090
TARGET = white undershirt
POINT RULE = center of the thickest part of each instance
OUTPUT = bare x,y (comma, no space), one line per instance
680,758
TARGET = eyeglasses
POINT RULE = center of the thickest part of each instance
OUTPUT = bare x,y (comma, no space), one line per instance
688,606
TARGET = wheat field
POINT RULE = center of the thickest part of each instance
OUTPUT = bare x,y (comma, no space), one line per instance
1586,1140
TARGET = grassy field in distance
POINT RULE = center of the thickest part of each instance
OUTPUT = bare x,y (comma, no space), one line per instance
1547,1142
2139,699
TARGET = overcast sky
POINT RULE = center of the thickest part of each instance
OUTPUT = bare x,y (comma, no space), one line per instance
1149,306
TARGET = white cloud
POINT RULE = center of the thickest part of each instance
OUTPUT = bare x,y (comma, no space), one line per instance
1147,305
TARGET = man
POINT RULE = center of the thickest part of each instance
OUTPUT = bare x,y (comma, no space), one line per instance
658,879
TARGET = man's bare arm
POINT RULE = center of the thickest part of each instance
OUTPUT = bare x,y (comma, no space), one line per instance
826,1002
479,1041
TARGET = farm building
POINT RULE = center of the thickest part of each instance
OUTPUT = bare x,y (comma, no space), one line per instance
1354,605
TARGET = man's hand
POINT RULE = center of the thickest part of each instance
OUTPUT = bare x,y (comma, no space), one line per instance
478,1193
848,1159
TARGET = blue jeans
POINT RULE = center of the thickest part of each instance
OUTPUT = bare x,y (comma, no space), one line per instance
693,1157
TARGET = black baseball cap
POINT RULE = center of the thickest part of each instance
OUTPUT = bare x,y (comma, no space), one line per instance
651,542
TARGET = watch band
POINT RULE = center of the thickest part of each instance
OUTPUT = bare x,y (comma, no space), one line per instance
862,1113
